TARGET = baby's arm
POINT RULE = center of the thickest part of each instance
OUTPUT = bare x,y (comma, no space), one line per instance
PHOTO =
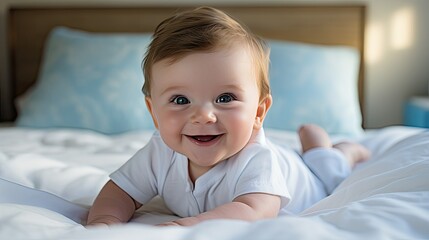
247,207
112,205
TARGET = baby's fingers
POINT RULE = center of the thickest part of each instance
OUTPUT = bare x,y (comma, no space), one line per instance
166,224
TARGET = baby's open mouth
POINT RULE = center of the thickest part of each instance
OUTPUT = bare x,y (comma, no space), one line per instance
204,138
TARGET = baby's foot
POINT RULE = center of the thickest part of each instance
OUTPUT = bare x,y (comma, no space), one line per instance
353,152
313,136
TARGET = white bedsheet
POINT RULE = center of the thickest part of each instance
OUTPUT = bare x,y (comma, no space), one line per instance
385,198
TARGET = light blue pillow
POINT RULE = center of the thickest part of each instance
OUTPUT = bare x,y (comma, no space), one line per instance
314,84
91,81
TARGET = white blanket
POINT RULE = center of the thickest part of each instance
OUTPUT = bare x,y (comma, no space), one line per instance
384,198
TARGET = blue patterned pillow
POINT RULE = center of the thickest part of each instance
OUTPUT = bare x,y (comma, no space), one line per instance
91,81
314,84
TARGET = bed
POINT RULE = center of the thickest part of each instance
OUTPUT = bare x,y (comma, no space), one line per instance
79,114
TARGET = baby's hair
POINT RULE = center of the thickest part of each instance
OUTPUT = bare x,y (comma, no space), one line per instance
203,29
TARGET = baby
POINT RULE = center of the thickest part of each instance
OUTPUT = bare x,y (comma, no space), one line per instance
207,89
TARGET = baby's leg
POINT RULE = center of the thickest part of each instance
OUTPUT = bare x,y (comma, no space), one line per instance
353,152
327,164
313,136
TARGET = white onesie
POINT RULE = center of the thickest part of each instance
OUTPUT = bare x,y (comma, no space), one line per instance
262,167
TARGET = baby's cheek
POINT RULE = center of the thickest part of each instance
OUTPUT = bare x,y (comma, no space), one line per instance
170,127
168,118
241,122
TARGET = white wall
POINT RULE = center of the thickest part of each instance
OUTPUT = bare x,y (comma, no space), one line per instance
395,70
398,74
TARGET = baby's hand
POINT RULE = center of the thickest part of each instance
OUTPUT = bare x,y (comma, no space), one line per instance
166,224
97,225
187,221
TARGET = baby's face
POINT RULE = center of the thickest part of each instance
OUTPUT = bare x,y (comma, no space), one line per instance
205,104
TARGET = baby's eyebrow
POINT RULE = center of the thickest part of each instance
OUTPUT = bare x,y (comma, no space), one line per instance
233,87
226,87
172,89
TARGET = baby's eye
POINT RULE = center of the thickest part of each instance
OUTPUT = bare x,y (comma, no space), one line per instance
225,98
180,100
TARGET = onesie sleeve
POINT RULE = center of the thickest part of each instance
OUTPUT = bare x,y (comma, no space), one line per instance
139,175
261,173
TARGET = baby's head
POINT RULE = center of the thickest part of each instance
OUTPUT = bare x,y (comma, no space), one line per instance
206,85
204,29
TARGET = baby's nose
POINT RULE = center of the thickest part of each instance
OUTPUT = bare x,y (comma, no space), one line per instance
204,115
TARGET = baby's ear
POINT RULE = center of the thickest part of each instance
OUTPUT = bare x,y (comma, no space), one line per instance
149,106
263,107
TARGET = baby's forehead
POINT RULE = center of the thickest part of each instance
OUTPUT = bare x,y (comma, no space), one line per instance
224,50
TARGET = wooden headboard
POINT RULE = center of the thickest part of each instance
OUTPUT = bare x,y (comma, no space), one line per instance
28,28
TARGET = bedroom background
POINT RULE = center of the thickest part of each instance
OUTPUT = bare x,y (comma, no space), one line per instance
396,55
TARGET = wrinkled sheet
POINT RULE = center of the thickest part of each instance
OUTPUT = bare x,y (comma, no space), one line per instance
384,198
